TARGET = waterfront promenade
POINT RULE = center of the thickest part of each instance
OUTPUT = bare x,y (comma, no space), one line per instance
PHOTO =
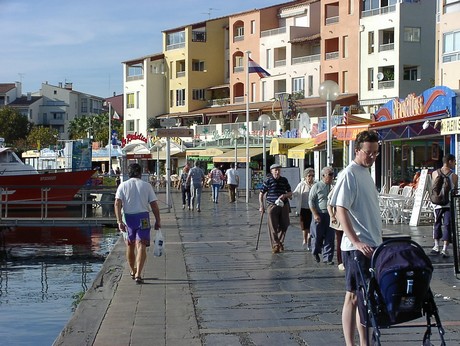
213,288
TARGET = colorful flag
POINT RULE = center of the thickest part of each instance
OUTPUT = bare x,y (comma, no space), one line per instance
256,68
115,116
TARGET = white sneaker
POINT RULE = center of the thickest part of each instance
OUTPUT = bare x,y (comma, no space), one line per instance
435,250
445,253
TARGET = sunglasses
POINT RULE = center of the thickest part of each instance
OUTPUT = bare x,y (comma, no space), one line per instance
329,174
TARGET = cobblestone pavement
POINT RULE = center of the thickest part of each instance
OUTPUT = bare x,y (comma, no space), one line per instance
212,287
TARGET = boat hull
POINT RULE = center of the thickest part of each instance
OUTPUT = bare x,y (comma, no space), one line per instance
35,190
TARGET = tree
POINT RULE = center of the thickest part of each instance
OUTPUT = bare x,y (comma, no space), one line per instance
42,137
14,125
96,125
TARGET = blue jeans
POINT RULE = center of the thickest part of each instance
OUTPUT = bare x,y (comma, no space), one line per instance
323,238
196,195
215,192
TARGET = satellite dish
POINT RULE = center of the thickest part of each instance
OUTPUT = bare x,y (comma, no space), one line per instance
380,76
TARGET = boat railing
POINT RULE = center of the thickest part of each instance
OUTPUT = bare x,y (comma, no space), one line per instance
92,205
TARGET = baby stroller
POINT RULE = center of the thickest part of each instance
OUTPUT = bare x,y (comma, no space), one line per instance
398,290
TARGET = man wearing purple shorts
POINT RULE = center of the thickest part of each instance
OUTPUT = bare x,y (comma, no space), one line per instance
135,196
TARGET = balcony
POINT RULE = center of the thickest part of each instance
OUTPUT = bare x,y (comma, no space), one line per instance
387,84
219,102
238,38
332,20
305,59
451,57
386,47
332,55
280,63
238,99
273,32
379,11
238,69
175,46
180,74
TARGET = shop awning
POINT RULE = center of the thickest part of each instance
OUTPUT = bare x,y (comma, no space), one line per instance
342,133
299,151
229,156
282,145
205,152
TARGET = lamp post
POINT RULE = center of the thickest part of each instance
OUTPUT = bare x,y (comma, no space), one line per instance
329,91
158,145
110,138
236,134
264,120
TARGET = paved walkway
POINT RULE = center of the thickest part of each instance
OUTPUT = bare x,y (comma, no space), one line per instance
213,288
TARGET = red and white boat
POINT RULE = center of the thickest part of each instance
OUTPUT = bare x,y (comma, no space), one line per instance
20,182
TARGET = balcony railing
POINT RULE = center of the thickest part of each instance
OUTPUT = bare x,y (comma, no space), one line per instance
175,46
238,69
238,38
280,63
273,32
387,84
180,74
379,11
332,20
306,59
219,102
386,46
133,78
238,99
332,55
451,57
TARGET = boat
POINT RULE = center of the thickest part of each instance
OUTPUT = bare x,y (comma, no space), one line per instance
21,185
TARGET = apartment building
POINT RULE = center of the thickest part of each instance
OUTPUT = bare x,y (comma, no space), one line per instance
448,43
397,50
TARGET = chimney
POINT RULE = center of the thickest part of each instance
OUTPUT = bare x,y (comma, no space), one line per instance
60,84
29,96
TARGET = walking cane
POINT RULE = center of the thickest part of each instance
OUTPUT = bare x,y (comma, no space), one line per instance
260,227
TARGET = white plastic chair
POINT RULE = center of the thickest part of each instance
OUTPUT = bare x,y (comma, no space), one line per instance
394,190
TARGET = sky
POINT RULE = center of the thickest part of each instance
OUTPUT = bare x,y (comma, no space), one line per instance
85,42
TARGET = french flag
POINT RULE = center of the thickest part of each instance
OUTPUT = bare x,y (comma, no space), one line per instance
256,68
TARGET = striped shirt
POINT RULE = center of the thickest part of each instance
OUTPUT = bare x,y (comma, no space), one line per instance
275,188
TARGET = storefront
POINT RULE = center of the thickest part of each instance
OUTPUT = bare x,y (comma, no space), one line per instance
410,131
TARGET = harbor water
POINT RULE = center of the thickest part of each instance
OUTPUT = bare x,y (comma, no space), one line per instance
44,272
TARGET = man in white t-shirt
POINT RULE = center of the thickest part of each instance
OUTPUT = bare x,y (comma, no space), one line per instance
136,197
356,200
233,181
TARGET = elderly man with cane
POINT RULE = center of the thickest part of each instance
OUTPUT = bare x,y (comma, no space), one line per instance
277,191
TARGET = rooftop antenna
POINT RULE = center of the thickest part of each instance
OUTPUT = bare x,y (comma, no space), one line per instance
210,11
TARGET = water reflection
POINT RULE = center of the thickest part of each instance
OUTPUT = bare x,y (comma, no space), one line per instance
42,270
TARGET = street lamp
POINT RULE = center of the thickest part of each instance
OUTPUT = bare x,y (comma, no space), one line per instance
264,120
329,91
158,145
236,134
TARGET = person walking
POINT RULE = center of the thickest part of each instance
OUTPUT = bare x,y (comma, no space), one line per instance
276,191
322,234
134,199
355,198
217,178
442,228
301,192
185,188
335,224
196,179
233,180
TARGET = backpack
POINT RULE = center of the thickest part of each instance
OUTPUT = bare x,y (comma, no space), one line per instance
440,189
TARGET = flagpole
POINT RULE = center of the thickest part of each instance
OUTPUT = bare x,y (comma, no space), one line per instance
247,125
110,138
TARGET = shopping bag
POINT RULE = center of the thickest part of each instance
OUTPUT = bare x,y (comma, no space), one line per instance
158,244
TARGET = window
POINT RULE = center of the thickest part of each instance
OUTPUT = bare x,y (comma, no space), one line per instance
264,91
138,95
239,61
253,26
310,85
239,31
180,97
175,40
84,105
345,47
345,81
410,73
197,65
269,59
411,34
370,79
130,125
451,42
135,70
370,39
253,92
198,94
298,85
130,100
